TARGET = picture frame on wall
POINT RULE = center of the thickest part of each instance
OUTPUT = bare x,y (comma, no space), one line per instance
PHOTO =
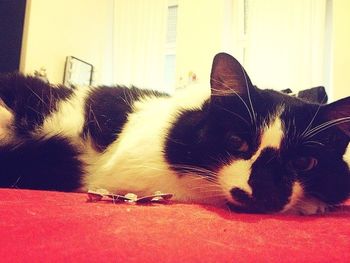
77,72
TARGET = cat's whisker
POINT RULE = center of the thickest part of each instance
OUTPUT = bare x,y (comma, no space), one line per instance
234,114
224,160
131,96
325,126
175,141
236,93
14,185
322,125
208,188
290,130
198,177
314,117
249,97
127,102
36,95
29,107
201,176
313,142
195,169
50,99
196,173
295,136
94,118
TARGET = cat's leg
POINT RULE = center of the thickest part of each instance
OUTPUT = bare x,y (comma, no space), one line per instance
39,144
47,164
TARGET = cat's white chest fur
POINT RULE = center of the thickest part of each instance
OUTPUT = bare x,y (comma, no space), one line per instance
136,163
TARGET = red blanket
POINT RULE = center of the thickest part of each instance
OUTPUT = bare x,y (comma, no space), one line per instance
38,226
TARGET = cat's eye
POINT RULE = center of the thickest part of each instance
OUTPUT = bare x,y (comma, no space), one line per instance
238,144
304,164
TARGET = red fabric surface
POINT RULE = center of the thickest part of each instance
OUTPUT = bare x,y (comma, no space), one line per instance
38,226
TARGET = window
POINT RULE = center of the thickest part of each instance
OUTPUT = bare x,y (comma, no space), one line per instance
286,44
170,47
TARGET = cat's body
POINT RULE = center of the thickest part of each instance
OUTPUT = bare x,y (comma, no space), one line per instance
234,144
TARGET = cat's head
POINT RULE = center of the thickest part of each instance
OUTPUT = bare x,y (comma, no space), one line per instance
268,151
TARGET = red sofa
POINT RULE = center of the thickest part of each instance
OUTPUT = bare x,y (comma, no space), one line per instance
39,226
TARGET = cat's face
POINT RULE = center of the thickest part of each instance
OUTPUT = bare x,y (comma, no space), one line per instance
269,152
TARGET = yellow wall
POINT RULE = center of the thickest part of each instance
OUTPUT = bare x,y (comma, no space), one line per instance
56,29
83,28
196,44
341,48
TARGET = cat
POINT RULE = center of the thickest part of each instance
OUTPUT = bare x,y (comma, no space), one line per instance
231,145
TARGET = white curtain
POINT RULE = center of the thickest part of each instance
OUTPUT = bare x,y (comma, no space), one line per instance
282,43
287,45
139,42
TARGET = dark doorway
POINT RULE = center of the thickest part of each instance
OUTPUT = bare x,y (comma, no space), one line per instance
12,14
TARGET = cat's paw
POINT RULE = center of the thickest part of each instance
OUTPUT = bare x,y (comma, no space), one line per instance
309,206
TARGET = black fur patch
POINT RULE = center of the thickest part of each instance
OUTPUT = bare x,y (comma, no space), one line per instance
202,137
106,112
49,164
329,181
195,141
30,99
271,181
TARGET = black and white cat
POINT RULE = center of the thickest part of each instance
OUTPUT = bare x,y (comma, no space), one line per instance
234,144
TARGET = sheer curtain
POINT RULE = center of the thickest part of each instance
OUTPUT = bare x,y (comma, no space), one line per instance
282,43
287,43
139,42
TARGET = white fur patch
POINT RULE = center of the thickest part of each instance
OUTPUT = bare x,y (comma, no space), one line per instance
308,206
295,197
346,156
272,136
6,122
236,174
135,162
69,119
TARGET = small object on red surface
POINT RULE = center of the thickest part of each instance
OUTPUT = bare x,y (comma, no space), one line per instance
130,197
157,196
99,194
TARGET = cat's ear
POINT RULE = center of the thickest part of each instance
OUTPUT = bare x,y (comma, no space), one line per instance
339,111
228,76
315,95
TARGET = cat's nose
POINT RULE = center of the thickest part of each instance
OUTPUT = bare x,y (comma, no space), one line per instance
243,202
256,203
240,196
